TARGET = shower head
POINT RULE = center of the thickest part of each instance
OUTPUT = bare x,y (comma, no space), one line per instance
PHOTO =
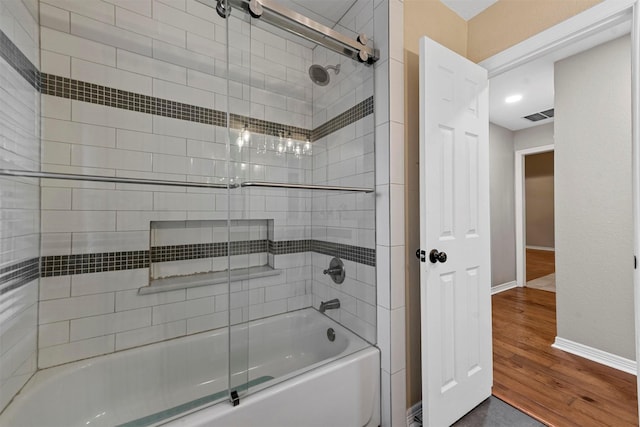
320,75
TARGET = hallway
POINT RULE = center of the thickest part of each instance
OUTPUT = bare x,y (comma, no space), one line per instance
555,387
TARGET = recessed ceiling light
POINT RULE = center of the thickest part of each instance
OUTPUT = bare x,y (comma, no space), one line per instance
513,98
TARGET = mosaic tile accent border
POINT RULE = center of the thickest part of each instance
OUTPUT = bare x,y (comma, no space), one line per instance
14,57
62,265
268,128
343,119
284,247
352,253
18,274
207,250
78,90
102,95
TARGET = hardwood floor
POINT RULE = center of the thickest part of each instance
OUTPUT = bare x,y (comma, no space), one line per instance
540,263
555,387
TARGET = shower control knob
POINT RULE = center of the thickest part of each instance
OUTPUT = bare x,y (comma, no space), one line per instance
362,39
435,256
336,271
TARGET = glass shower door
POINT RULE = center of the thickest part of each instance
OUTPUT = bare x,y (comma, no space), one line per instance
239,226
300,116
269,120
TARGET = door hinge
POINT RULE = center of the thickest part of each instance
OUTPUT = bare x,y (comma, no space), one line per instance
421,255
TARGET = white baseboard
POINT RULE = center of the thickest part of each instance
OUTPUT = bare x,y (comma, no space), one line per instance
503,287
414,411
541,248
599,356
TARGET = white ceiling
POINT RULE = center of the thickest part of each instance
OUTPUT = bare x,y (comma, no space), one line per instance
467,9
534,81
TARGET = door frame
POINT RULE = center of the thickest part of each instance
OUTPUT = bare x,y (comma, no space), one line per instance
521,215
604,15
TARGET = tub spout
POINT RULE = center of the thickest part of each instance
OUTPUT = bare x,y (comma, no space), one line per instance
329,305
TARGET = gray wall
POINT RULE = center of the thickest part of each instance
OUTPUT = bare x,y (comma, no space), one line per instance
502,145
533,137
501,162
538,184
593,193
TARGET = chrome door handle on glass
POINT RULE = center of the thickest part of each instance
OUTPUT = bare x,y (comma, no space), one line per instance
435,256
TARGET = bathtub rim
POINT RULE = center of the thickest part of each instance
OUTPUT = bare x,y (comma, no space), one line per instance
44,377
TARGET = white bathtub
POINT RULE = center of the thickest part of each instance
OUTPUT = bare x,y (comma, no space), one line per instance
297,377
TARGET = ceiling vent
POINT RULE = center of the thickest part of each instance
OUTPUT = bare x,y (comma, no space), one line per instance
542,115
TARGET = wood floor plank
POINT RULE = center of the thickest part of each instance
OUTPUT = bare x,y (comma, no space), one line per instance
543,406
603,402
540,263
557,388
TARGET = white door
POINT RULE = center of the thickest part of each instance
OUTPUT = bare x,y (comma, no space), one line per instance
454,219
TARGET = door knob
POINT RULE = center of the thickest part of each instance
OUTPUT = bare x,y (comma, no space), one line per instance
435,256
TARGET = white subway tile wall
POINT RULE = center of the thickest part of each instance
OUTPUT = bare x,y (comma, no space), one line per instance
176,50
19,228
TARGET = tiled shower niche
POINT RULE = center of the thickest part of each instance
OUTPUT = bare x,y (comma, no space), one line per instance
194,253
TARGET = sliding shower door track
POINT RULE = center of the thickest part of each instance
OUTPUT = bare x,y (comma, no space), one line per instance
141,181
300,25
